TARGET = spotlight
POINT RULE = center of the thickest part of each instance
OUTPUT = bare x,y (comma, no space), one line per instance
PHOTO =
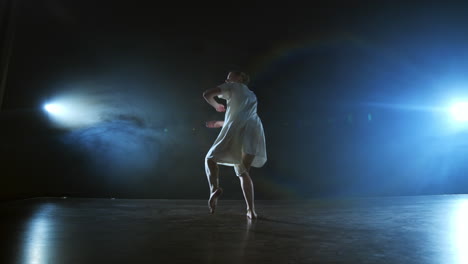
55,109
73,111
459,111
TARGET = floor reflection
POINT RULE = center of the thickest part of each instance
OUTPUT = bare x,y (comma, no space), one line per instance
460,232
245,240
36,248
425,229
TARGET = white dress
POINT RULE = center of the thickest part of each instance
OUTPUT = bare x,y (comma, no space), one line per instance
242,130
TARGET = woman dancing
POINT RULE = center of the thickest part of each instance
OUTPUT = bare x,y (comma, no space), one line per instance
241,141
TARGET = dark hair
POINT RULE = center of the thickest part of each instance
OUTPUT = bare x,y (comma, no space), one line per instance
245,77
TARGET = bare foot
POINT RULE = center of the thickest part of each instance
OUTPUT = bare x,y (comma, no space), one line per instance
251,214
214,199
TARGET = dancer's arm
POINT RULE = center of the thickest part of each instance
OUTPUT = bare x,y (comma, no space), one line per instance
209,97
215,124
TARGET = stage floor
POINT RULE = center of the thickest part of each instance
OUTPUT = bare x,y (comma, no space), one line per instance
419,229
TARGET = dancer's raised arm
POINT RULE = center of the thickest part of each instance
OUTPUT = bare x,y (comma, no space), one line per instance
209,97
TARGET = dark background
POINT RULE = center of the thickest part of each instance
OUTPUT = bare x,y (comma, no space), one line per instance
348,93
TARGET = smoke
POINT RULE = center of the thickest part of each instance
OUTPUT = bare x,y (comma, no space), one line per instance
120,145
120,130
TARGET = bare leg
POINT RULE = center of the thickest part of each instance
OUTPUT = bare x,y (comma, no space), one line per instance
247,186
212,171
248,190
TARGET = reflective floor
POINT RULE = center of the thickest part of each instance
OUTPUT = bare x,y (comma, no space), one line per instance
423,229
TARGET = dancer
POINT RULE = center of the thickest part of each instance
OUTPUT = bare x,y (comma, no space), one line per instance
241,141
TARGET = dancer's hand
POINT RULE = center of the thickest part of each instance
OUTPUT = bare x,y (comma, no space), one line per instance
214,124
220,108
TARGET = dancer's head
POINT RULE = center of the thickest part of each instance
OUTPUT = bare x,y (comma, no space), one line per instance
238,76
